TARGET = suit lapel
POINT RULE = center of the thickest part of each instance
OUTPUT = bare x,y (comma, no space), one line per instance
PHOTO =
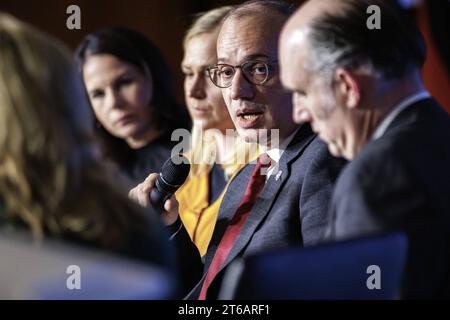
269,194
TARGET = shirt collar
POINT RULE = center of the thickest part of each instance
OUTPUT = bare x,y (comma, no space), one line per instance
276,153
402,105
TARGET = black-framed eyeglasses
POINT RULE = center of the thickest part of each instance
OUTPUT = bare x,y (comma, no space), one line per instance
254,71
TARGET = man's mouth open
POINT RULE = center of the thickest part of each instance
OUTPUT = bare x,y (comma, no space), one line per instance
250,119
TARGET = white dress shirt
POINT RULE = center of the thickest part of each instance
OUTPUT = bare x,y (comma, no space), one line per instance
276,153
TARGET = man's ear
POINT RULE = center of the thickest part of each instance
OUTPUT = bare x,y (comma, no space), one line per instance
348,88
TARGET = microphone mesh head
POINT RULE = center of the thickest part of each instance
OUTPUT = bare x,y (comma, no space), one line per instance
175,170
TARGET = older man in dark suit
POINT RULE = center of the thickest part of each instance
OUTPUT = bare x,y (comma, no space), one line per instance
282,199
360,88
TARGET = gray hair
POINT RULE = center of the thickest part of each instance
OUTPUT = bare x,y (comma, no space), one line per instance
342,39
248,8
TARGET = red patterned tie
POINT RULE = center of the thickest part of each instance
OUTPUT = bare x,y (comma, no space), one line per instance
254,188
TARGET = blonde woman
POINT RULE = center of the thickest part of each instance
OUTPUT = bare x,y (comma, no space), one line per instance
52,183
217,153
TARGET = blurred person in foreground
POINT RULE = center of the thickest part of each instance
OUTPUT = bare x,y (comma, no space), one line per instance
361,90
52,182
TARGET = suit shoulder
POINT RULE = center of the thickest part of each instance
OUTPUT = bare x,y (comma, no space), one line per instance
317,155
316,164
379,162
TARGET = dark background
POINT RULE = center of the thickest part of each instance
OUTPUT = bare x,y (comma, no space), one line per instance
165,22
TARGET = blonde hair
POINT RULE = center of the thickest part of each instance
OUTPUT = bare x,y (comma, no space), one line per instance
50,175
204,145
206,22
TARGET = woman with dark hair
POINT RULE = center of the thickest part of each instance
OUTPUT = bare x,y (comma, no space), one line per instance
130,91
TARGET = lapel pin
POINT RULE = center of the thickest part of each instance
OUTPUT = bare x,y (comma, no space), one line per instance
278,176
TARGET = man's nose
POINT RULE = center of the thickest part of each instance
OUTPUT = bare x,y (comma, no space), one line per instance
240,87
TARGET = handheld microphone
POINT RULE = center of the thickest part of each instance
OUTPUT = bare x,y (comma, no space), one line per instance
172,176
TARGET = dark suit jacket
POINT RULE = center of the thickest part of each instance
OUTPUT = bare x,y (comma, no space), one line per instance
292,210
401,181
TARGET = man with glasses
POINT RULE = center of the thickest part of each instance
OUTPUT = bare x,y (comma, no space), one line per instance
282,199
290,205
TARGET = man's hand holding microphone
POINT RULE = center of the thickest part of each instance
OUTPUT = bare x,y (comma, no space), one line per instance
157,189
